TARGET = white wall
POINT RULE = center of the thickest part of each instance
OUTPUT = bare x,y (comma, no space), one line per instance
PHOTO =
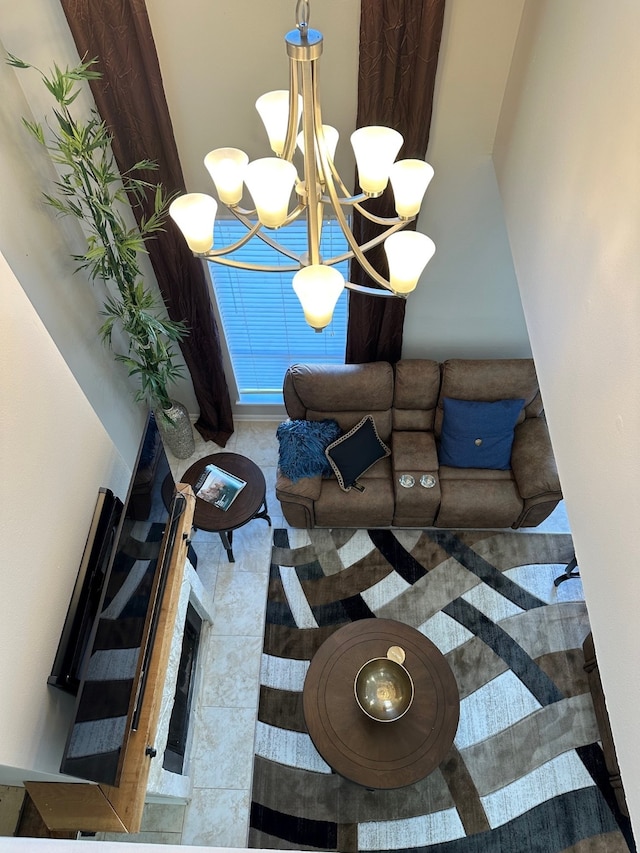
218,58
467,302
55,454
37,244
567,159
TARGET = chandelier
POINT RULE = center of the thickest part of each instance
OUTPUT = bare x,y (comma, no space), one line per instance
320,192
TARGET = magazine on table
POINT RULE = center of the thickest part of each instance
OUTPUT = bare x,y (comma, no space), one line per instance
218,487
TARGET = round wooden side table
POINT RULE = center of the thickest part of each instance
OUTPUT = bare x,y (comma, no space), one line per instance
250,503
371,753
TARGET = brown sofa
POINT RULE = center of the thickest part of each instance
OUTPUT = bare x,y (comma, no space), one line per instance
406,402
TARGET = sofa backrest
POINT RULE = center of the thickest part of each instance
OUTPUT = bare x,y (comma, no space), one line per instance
490,380
415,394
408,396
342,392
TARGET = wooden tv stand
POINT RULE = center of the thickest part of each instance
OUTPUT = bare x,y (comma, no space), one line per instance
86,807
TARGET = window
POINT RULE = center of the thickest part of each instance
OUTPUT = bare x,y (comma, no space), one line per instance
262,318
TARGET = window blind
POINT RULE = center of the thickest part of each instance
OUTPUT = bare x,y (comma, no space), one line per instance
262,318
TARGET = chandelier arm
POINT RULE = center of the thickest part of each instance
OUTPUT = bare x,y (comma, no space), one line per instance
295,213
355,201
240,212
337,259
244,265
288,253
347,256
292,125
340,183
256,230
251,232
311,128
348,200
384,220
356,251
373,291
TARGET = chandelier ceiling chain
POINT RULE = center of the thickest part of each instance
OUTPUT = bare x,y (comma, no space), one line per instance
302,16
320,192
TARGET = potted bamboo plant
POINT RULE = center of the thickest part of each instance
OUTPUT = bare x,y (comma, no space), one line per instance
91,189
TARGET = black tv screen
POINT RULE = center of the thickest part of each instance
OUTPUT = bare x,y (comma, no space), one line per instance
113,667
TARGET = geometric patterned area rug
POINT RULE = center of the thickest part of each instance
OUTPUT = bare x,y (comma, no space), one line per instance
525,771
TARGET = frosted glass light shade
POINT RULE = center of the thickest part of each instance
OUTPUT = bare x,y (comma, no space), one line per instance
270,181
194,214
409,179
318,288
273,108
375,148
226,167
408,253
331,136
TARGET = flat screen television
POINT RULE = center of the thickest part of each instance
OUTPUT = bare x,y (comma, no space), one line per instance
108,634
87,592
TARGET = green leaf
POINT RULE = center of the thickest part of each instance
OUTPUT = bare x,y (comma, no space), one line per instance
148,165
34,129
17,63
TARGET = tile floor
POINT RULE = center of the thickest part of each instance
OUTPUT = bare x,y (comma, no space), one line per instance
221,756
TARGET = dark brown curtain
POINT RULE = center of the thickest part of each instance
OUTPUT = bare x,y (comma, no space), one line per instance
399,45
130,98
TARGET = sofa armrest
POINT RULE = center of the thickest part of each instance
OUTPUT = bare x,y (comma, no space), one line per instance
414,453
532,460
305,487
298,499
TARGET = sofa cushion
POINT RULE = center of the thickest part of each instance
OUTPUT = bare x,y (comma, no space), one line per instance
415,394
371,508
489,502
490,380
301,447
355,452
337,388
478,434
347,420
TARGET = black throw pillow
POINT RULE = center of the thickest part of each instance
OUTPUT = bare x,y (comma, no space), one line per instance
355,452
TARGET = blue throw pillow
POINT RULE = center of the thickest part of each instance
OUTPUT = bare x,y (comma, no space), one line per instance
477,434
302,446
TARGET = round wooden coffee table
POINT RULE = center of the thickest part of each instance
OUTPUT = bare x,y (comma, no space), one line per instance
249,504
371,753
